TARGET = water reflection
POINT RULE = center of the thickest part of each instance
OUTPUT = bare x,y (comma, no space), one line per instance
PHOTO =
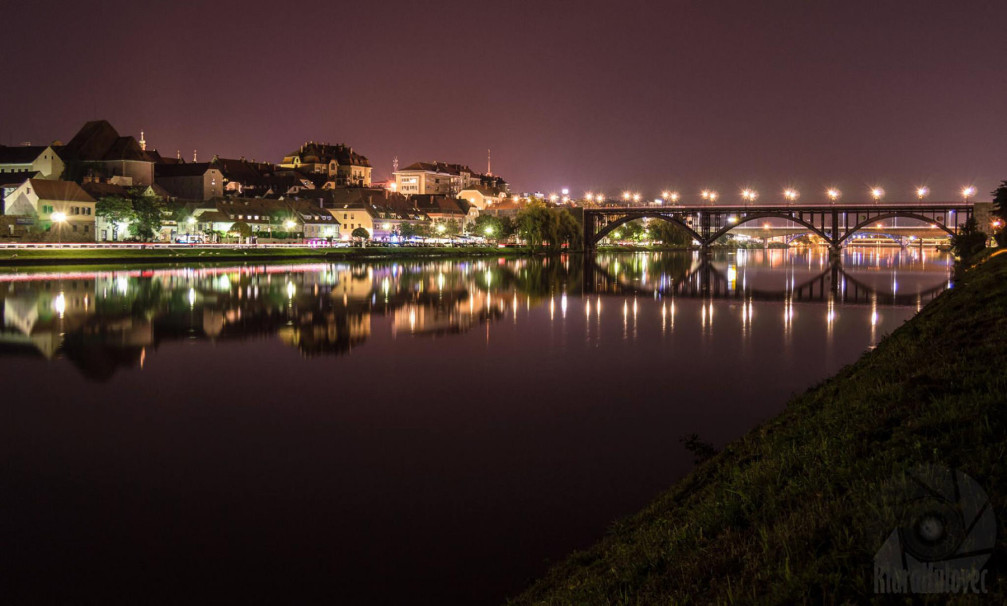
102,321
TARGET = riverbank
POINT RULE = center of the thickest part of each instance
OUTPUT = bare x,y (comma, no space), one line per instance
95,256
795,510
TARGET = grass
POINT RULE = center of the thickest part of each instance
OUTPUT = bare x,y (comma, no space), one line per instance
794,511
139,255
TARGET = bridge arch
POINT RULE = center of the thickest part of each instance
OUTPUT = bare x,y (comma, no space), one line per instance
891,215
613,225
766,215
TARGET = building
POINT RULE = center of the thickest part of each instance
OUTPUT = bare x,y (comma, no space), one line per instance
446,208
191,181
482,196
97,150
40,161
62,206
442,178
343,166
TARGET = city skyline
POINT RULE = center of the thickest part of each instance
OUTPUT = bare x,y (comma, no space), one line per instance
610,99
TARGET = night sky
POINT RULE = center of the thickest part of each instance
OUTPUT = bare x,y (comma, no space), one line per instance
594,96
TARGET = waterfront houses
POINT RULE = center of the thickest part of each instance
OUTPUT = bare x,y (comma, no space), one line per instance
319,191
60,206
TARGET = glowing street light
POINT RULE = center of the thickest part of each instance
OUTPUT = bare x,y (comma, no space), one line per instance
922,192
749,195
441,228
566,191
289,224
636,197
967,192
791,194
833,193
58,218
708,194
877,193
489,230
553,197
672,197
627,196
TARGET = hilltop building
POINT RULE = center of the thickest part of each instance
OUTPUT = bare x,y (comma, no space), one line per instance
97,150
39,161
343,166
442,178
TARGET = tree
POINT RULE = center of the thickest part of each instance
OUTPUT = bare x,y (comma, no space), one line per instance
1000,212
361,233
969,241
240,229
115,210
148,213
669,234
568,229
535,224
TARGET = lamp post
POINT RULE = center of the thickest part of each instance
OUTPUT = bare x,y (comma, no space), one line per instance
922,192
749,195
58,218
967,192
791,194
833,194
877,193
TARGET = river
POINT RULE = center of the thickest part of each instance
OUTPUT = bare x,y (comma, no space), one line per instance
415,431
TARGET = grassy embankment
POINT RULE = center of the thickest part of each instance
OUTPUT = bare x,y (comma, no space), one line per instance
22,257
794,511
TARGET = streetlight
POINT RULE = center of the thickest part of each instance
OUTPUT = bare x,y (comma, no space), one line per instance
968,191
636,197
708,194
791,194
749,195
626,196
877,193
58,218
673,197
489,230
441,228
922,192
833,193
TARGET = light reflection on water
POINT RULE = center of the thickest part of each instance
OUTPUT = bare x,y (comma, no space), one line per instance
431,419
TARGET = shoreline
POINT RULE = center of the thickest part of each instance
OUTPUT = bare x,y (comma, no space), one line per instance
793,511
19,258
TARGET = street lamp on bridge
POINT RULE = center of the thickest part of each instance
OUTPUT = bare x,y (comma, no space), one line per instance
791,194
877,193
833,194
922,192
708,194
749,195
967,192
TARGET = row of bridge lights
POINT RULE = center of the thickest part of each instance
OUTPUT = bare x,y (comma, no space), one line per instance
790,194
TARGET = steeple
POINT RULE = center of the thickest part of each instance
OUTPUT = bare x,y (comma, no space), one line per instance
194,156
143,143
489,163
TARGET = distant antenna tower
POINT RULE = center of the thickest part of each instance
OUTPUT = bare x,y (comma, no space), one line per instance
395,165
194,156
489,163
143,144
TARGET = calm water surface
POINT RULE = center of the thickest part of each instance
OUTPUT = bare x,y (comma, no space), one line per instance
422,432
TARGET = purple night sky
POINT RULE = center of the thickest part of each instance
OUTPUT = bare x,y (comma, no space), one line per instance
595,96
